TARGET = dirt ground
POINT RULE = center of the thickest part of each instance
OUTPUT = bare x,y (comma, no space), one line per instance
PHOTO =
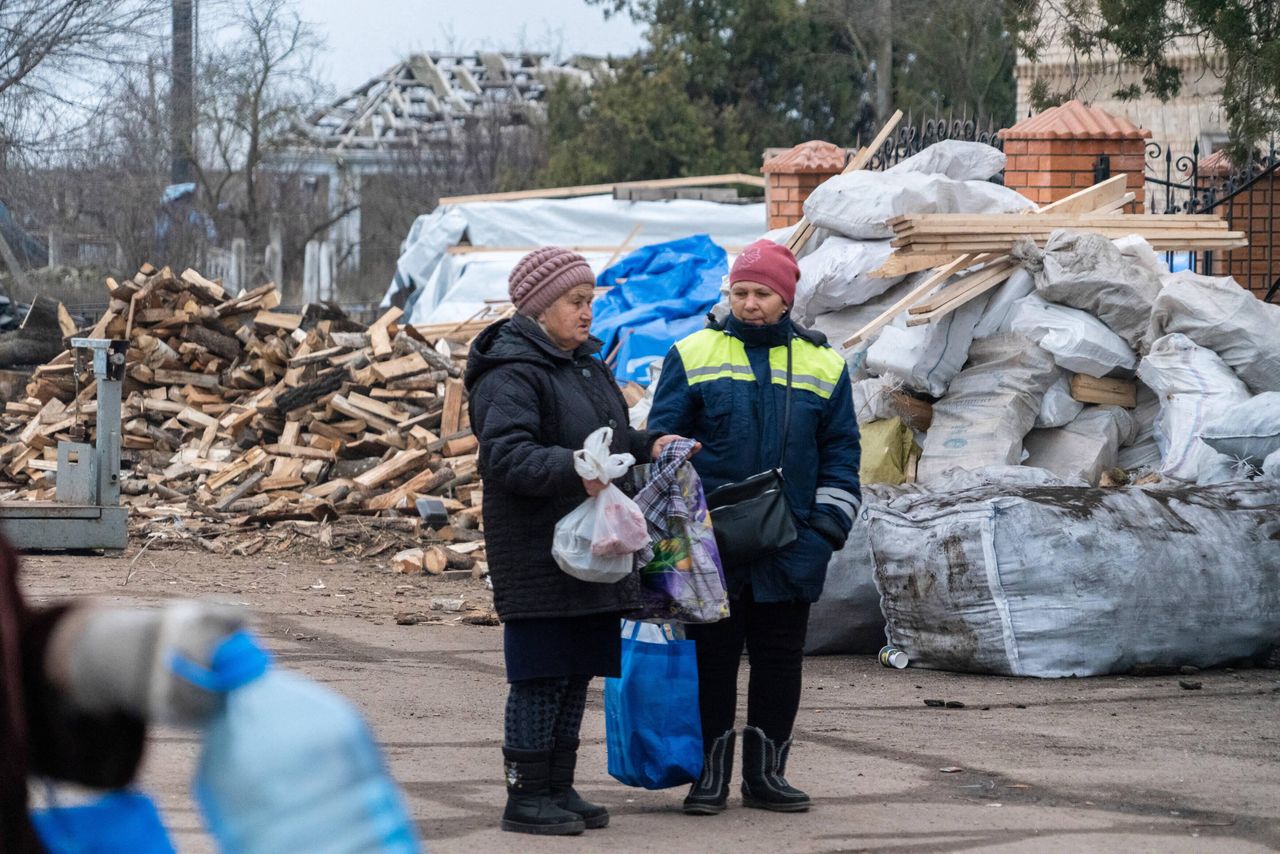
1106,764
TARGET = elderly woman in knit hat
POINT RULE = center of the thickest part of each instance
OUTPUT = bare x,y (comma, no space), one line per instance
537,390
761,392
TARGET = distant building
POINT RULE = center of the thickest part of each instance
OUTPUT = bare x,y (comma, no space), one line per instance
1195,115
428,104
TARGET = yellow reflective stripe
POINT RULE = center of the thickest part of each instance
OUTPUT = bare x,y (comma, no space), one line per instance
712,355
813,368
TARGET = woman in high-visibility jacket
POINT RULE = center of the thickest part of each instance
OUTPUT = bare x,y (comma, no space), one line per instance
726,386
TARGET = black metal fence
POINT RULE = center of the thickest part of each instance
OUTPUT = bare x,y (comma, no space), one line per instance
1247,197
911,137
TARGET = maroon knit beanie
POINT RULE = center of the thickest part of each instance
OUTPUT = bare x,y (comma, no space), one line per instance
545,275
770,264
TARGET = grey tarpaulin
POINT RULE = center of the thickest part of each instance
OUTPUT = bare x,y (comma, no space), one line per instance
1056,580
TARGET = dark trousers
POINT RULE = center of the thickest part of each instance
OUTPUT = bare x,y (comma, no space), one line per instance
773,634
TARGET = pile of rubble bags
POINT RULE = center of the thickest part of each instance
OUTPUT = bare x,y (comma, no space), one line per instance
1119,419
1019,573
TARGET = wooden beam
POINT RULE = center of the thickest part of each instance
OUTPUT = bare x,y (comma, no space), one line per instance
597,189
804,228
1107,392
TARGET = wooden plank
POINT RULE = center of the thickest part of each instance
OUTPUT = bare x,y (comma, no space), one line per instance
390,469
596,189
804,229
1109,392
940,276
998,275
965,283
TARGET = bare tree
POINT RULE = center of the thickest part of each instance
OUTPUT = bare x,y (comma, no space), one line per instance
250,90
45,48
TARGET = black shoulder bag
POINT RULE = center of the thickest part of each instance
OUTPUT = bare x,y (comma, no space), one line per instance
752,517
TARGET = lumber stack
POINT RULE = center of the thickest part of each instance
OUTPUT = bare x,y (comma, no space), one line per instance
233,410
942,234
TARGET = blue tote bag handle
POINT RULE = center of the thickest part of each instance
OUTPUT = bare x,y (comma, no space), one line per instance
653,732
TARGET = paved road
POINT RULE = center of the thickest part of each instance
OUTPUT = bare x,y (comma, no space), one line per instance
1104,764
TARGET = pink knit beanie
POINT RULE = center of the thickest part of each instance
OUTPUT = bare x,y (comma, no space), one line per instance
545,275
769,264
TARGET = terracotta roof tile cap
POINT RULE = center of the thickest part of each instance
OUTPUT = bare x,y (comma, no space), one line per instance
1075,120
812,156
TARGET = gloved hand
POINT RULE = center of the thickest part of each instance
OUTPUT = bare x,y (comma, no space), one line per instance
109,659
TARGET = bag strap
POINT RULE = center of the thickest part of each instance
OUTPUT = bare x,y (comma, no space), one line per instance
786,409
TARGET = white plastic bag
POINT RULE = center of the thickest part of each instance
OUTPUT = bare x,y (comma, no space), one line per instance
1078,341
1058,408
835,276
859,204
1194,386
926,358
957,159
1249,430
1221,316
597,540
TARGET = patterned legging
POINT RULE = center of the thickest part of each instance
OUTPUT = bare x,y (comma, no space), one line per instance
541,712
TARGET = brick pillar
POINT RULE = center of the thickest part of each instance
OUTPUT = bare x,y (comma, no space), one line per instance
1256,212
792,175
1054,154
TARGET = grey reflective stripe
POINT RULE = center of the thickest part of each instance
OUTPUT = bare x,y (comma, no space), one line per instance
740,370
807,379
846,501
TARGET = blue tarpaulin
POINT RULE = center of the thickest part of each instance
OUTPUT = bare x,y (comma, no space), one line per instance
658,295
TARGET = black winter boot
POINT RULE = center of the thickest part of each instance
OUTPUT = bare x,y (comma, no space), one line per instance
564,758
709,795
763,784
529,805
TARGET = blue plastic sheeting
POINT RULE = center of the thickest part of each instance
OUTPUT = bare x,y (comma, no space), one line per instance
668,288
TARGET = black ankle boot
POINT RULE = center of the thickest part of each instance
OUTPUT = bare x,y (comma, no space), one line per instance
709,795
564,758
529,805
763,784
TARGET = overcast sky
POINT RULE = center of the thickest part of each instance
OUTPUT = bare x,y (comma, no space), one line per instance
367,36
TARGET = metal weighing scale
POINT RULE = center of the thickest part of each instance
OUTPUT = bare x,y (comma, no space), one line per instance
86,513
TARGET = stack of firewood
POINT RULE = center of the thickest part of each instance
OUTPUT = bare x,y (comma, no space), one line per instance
233,410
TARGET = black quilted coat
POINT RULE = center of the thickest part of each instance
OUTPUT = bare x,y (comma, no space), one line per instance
532,405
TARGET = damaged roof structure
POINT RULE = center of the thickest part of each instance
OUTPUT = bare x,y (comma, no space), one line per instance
426,100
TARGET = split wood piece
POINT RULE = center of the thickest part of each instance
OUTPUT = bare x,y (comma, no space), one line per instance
451,418
251,459
804,229
301,451
1100,194
377,407
379,335
405,366
399,464
207,288
250,483
65,323
163,376
436,559
461,445
424,482
272,320
1108,392
407,562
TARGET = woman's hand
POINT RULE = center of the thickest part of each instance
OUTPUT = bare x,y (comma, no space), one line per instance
662,441
593,487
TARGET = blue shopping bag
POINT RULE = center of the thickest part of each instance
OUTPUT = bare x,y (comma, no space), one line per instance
652,729
122,822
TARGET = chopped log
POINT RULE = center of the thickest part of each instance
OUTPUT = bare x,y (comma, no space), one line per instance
398,464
